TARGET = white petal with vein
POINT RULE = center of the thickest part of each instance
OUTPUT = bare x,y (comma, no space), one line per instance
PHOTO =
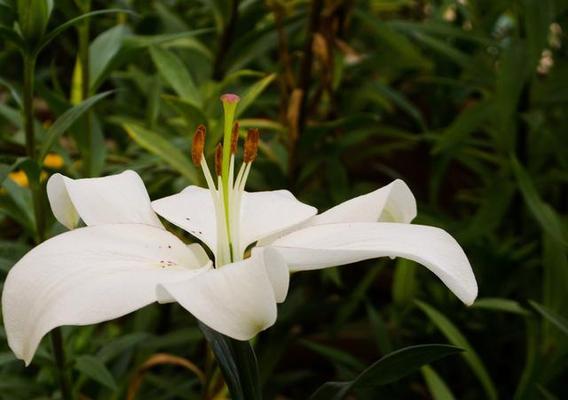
391,203
114,199
90,275
329,245
262,214
237,299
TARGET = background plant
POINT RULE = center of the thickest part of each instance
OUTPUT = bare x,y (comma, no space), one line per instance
463,100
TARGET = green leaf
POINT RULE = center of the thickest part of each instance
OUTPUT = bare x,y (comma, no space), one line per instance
398,99
96,370
406,52
237,362
357,297
6,358
436,385
10,253
331,391
335,355
67,119
541,211
391,368
156,144
404,282
74,21
403,362
13,91
380,330
192,114
175,73
121,344
11,35
141,42
453,334
498,304
555,319
466,123
102,51
4,172
445,49
555,276
252,93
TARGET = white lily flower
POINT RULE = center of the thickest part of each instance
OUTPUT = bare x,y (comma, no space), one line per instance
124,259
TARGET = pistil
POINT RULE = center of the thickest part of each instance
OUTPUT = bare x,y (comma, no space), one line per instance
228,192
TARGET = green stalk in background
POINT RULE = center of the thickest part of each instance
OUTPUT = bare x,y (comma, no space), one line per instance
39,214
83,31
34,17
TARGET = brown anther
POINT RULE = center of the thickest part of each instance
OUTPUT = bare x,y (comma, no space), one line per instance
219,159
234,138
198,145
251,145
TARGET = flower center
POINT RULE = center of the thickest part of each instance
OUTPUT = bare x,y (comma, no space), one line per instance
227,191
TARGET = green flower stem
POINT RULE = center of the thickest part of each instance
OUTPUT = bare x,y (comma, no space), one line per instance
29,129
83,32
29,67
39,214
59,355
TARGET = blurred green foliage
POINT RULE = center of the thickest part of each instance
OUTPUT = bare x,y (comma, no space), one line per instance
465,100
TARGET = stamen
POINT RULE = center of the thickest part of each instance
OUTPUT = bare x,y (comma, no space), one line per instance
198,145
251,145
219,159
234,138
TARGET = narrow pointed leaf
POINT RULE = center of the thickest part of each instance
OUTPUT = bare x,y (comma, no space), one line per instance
438,388
156,144
13,91
67,119
455,337
557,320
96,370
498,304
403,362
74,21
175,73
541,211
390,368
331,391
253,92
102,51
11,35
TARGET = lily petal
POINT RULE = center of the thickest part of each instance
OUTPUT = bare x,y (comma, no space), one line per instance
237,299
89,275
266,213
262,214
391,203
192,210
329,245
114,199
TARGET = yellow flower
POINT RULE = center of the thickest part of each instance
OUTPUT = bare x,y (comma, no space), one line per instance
52,160
20,178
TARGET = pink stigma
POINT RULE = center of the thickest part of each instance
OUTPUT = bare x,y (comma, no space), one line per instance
230,98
